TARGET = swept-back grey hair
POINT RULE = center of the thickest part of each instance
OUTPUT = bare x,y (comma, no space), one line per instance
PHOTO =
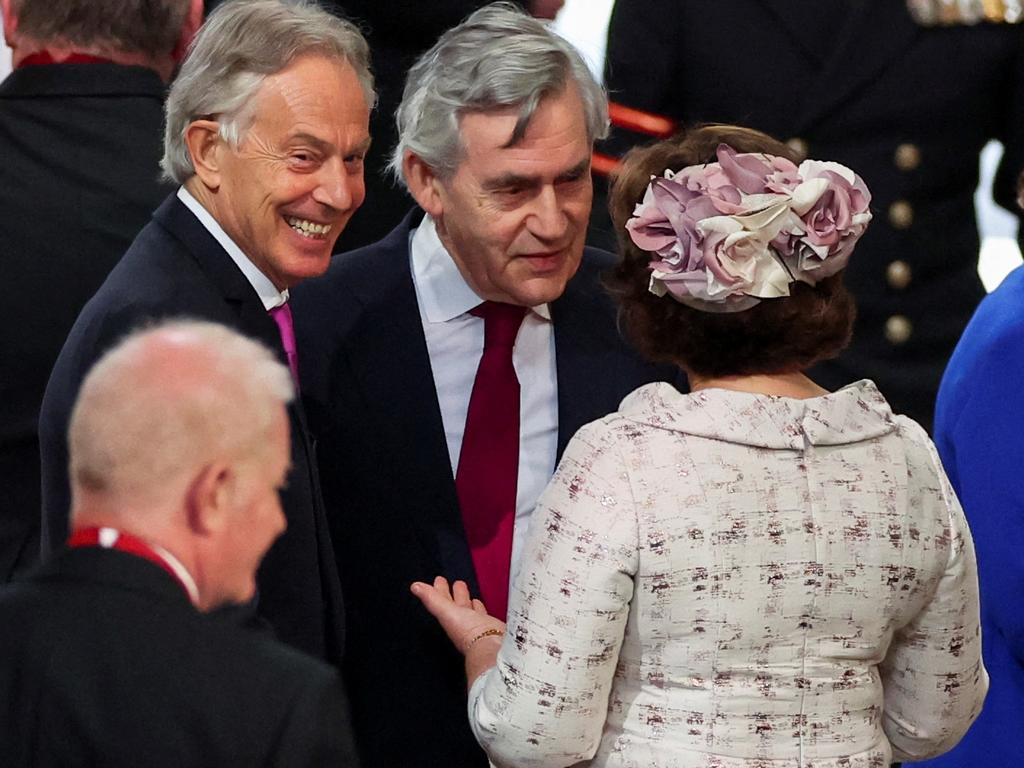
498,57
168,399
152,27
242,43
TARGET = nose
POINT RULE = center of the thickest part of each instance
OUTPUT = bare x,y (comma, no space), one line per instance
337,187
548,220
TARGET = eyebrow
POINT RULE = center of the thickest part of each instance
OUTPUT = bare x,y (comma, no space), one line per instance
516,180
325,147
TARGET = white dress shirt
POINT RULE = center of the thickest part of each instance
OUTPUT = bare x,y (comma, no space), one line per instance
455,342
268,293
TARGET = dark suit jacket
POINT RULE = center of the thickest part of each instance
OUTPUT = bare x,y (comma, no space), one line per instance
882,89
175,268
106,663
80,146
388,480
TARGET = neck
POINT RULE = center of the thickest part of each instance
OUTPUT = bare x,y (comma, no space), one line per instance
795,385
162,65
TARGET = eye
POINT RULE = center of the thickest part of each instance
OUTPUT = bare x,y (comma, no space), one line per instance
303,159
571,179
511,192
354,162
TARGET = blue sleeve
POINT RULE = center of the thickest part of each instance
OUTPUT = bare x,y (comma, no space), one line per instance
980,429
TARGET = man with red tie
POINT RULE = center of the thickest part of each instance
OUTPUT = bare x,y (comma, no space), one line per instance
116,652
266,131
445,367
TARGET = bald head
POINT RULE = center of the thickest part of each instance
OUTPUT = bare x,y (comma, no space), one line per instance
166,402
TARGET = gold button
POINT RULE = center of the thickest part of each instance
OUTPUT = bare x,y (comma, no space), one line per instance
799,147
949,14
898,274
901,214
898,329
907,157
995,10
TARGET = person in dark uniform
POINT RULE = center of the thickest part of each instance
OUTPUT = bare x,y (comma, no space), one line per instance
907,98
81,121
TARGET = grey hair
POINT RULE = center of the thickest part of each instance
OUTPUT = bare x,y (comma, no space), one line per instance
242,43
152,27
168,399
498,57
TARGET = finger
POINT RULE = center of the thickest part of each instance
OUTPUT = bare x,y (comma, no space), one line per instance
460,593
433,600
478,606
441,583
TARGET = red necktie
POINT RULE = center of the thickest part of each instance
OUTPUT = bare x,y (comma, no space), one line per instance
489,460
283,317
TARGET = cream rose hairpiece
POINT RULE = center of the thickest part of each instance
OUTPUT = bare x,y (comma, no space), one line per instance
726,235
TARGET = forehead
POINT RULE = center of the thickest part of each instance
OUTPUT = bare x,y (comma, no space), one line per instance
556,133
313,91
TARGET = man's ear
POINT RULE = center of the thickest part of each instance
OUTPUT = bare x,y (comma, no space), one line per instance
202,139
209,498
189,27
10,22
424,184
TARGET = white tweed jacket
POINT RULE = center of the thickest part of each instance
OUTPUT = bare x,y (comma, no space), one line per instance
730,580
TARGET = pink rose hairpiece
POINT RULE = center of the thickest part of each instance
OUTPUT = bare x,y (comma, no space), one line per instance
725,235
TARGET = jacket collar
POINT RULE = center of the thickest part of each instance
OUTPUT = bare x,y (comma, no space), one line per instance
853,414
219,268
116,569
78,80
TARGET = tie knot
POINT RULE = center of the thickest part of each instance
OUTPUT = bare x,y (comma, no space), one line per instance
501,322
282,315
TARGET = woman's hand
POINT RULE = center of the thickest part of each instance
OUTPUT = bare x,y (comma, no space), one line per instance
463,618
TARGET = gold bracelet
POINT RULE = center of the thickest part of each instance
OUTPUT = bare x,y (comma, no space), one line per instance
492,632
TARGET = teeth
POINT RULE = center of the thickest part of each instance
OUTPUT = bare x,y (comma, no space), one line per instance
307,227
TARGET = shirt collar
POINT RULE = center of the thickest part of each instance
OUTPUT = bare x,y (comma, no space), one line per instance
442,291
268,293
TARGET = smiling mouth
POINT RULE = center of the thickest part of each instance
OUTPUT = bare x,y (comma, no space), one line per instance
309,229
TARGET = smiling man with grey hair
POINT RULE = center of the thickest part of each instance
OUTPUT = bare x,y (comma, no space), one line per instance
266,131
448,364
116,653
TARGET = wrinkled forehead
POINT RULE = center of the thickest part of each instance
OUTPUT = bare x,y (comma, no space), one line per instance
557,121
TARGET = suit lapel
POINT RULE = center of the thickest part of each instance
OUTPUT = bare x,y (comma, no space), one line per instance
391,364
585,384
222,272
877,32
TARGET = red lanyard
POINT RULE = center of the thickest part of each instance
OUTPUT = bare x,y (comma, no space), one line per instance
111,538
43,57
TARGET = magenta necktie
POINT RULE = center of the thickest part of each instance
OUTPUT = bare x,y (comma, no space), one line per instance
489,460
283,317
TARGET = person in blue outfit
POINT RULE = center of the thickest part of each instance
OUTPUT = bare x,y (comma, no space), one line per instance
979,420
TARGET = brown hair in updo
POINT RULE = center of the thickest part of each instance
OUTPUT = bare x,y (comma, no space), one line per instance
781,335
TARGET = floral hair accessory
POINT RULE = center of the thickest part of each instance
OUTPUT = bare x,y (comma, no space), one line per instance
725,235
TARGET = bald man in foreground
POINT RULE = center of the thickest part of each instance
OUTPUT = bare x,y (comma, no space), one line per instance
117,653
